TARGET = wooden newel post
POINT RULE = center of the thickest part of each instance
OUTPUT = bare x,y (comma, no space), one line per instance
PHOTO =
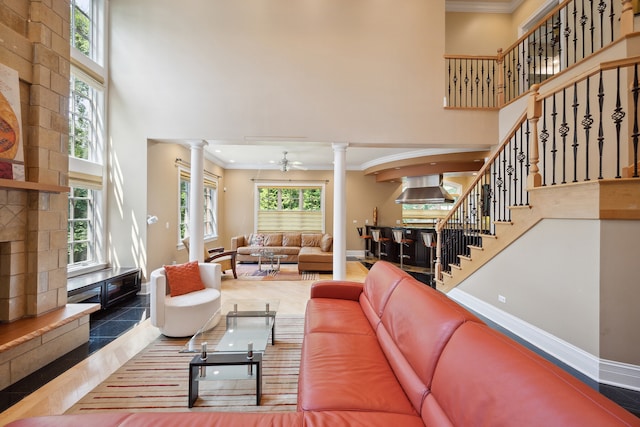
534,111
438,263
501,85
626,18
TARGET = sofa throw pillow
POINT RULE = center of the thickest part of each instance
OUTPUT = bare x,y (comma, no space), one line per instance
183,278
326,243
256,240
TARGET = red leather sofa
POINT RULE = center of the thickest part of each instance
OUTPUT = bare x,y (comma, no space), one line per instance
394,352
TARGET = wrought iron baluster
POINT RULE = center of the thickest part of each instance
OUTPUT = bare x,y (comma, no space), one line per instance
510,171
554,149
460,64
519,162
593,25
504,186
602,6
559,38
544,136
583,23
618,116
587,121
482,61
499,185
575,132
575,31
525,64
611,18
466,82
494,192
567,34
564,131
600,128
526,154
546,53
533,56
635,90
449,79
477,82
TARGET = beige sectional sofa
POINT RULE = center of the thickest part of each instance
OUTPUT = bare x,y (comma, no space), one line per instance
312,251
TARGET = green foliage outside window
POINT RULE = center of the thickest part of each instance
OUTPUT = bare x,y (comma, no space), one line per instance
290,199
210,225
81,119
81,25
312,198
79,226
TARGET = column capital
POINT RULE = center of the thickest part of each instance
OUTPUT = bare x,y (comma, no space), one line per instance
196,143
339,146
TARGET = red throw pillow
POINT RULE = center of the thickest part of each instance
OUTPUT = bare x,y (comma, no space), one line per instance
183,278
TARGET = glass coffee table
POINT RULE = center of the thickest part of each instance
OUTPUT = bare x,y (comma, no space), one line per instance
248,327
265,255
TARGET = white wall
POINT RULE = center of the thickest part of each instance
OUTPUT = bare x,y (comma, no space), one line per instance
331,71
550,278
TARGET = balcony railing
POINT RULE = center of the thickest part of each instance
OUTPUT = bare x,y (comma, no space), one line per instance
584,130
571,32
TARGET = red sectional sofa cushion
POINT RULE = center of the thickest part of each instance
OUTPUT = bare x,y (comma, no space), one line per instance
359,418
380,283
336,315
486,379
225,419
348,372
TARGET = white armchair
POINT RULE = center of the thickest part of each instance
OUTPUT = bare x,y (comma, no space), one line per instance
184,315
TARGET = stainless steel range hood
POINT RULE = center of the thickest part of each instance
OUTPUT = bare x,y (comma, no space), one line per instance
424,189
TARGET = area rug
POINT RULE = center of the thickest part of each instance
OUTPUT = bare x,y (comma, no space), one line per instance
287,272
156,379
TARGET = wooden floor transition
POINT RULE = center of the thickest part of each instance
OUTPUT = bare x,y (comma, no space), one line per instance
60,394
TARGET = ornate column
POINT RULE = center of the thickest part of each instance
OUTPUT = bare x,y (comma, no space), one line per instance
196,202
339,211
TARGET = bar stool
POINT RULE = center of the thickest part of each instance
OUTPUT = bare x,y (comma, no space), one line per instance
367,239
375,235
427,240
398,237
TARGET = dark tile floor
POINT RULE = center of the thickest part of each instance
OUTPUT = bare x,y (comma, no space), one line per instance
105,326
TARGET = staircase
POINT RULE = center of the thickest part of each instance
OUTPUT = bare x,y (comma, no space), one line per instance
573,151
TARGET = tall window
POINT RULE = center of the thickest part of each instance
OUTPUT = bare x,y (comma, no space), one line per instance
84,104
86,30
210,205
85,236
290,207
81,227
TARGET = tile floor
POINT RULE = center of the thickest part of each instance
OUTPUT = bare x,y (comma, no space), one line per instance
104,327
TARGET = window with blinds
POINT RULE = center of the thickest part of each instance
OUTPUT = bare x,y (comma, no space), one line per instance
290,207
210,204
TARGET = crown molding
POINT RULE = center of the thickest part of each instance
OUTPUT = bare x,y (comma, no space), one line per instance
482,6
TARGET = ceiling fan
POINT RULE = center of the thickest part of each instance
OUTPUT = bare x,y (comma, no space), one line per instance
286,164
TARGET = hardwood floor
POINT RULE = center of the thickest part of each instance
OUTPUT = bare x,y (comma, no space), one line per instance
60,394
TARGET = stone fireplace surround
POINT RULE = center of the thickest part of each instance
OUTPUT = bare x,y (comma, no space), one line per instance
36,323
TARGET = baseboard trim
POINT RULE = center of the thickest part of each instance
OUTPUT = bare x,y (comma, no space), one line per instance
600,370
620,374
